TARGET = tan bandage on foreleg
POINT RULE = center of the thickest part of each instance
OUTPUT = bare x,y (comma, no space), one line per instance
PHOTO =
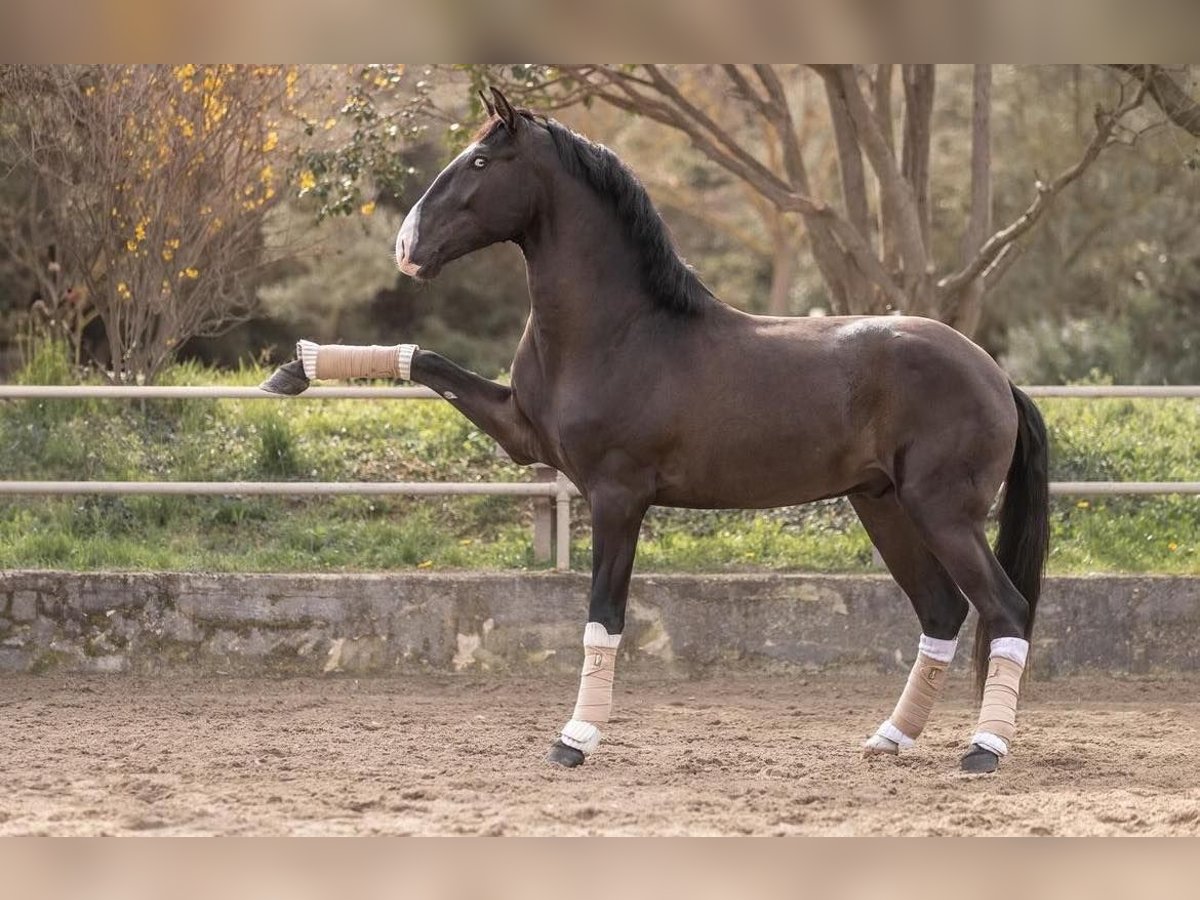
998,711
594,703
921,691
335,361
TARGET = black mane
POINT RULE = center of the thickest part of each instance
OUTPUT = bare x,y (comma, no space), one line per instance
670,281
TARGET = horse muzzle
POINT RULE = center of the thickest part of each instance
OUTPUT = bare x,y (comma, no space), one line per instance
406,243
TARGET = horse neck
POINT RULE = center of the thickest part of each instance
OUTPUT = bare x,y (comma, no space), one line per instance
584,273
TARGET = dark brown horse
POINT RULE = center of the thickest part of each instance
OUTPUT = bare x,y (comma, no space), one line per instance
643,388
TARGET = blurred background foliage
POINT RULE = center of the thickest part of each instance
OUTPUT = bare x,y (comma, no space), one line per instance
1105,289
1107,286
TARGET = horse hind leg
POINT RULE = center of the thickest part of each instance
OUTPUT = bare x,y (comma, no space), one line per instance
954,532
940,607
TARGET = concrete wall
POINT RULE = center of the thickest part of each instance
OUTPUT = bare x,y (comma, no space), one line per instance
469,622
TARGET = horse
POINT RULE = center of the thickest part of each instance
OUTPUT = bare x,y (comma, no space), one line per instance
644,389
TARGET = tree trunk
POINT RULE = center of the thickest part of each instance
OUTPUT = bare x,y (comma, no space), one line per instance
967,307
785,261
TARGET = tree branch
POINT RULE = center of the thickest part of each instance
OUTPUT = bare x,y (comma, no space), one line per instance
747,90
833,257
881,91
997,269
850,164
835,241
719,134
1106,123
739,163
908,230
1176,103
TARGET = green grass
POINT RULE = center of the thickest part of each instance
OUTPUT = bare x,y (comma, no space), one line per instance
333,440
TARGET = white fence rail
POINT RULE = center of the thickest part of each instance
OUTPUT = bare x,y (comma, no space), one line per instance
549,529
136,392
1146,391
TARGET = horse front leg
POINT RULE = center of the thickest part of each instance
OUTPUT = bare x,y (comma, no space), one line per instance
616,520
490,405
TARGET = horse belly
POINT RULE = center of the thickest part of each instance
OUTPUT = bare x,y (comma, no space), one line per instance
767,475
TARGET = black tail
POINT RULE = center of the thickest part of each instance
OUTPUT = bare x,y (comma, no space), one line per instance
1024,540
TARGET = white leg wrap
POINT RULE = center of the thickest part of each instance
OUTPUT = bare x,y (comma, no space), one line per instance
907,721
333,361
888,739
594,703
998,712
938,648
583,736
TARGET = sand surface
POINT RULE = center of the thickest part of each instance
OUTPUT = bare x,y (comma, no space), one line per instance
440,755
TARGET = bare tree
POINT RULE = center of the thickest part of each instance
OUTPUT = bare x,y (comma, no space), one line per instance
874,245
152,182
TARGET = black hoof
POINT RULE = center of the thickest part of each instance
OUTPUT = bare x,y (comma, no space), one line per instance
289,380
979,761
562,755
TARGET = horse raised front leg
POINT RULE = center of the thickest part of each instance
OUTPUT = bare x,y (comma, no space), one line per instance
616,519
488,404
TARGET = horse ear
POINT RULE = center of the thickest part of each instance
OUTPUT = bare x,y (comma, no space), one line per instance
505,111
487,104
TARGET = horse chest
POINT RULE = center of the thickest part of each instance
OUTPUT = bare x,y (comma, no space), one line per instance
574,421
575,437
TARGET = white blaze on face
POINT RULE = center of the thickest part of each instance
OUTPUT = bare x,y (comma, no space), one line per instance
406,240
410,230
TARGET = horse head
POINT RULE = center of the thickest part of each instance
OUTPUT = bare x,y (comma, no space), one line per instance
485,196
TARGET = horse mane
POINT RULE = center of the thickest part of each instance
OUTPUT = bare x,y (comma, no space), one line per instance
671,282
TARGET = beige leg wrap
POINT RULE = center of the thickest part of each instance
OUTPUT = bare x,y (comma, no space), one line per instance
912,711
916,703
336,361
594,703
998,712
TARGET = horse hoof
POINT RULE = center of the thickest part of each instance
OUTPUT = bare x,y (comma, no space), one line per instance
878,745
288,380
562,755
979,761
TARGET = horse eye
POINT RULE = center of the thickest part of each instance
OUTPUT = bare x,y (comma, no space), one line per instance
479,162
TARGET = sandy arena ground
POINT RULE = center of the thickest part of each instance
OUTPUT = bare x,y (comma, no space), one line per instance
750,755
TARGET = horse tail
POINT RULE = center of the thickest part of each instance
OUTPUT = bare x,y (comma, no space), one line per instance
1024,539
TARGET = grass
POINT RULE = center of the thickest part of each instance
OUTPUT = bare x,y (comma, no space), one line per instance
1145,440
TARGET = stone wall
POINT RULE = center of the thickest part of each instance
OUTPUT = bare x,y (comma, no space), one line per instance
380,624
